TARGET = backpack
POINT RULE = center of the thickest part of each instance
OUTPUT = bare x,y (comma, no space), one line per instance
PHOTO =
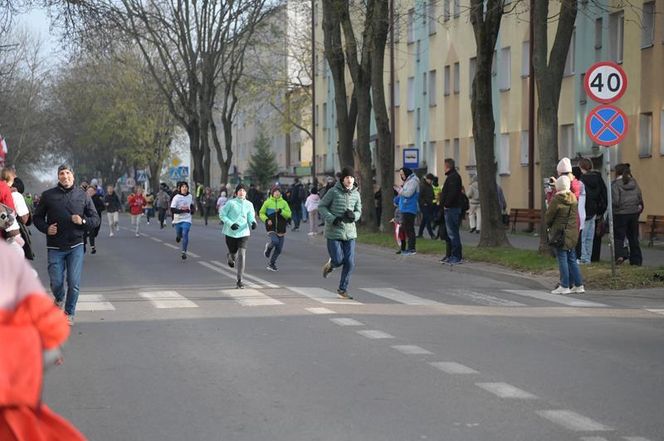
602,200
465,203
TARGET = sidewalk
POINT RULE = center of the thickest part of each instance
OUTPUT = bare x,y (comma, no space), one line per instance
653,256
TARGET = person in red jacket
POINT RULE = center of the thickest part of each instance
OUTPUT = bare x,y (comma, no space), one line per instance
32,330
137,203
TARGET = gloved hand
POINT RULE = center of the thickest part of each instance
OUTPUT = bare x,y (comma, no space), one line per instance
234,227
253,225
278,211
337,221
349,216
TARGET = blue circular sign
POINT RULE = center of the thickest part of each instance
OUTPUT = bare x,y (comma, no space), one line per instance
607,125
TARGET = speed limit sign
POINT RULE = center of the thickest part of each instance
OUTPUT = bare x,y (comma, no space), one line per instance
605,82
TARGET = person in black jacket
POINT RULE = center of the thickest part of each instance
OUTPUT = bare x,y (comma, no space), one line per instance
64,214
596,205
452,199
113,207
99,206
426,205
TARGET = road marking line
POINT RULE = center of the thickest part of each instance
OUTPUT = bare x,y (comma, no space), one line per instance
93,302
482,299
227,274
156,239
573,421
375,334
400,296
451,367
194,255
554,298
504,390
656,311
170,245
320,311
263,282
250,297
635,438
346,322
593,438
322,295
411,350
167,300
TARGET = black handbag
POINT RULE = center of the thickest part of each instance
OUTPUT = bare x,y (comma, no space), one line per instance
556,238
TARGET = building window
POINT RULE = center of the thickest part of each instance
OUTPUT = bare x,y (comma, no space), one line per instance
325,115
432,88
397,28
448,149
598,38
433,152
472,161
616,35
433,16
456,151
525,59
447,83
504,155
457,8
418,50
571,56
457,78
411,24
524,147
316,116
411,94
446,10
583,98
566,141
472,69
645,135
425,10
397,94
648,25
505,76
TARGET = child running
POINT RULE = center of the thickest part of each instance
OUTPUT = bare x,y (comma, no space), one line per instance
275,212
311,204
238,216
136,203
182,207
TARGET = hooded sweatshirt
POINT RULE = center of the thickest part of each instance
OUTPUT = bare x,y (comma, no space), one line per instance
277,211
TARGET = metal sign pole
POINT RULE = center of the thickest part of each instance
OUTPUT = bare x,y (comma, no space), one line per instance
609,211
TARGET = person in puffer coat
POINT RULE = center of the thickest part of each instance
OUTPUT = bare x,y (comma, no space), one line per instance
341,207
276,214
627,202
562,215
238,218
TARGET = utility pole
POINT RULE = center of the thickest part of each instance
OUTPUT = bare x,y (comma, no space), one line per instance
313,90
392,84
531,116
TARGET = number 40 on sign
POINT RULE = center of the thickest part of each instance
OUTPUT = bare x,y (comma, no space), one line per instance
605,82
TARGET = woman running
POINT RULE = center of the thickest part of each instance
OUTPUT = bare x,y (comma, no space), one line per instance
182,207
238,217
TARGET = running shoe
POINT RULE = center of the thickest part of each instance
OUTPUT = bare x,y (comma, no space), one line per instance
138,235
178,238
444,259
344,295
578,290
240,285
267,251
93,250
561,290
272,268
184,256
60,304
230,260
327,268
70,320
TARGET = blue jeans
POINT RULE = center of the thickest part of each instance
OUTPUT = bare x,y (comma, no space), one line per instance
70,262
342,253
569,269
296,214
587,238
182,230
276,245
452,223
427,217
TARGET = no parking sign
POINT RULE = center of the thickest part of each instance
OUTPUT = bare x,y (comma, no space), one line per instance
607,125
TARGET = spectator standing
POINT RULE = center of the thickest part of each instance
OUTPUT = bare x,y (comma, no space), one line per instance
295,200
13,232
64,214
474,213
452,201
426,201
627,203
408,201
595,205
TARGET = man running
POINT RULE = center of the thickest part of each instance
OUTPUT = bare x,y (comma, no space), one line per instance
64,214
163,204
113,206
182,207
275,212
341,207
238,217
99,206
136,203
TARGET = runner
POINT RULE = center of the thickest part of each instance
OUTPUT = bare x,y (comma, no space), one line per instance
341,207
163,203
208,203
149,207
113,206
182,207
275,212
238,216
136,203
99,206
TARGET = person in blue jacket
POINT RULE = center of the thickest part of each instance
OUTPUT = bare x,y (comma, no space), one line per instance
238,219
408,206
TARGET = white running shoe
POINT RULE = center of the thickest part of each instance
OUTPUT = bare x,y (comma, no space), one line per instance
561,290
578,289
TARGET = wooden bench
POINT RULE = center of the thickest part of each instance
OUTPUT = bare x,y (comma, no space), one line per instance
654,227
525,215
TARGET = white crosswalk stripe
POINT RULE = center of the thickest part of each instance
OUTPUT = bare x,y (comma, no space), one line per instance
454,368
320,311
504,390
322,295
481,298
656,311
250,297
375,335
346,322
255,279
411,350
400,296
93,302
573,421
553,298
167,299
227,273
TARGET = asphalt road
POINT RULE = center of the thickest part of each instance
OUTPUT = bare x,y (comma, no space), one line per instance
169,350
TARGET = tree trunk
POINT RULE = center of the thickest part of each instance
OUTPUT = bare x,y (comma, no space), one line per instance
196,153
228,141
486,26
364,154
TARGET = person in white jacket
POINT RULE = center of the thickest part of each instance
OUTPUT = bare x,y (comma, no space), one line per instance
311,205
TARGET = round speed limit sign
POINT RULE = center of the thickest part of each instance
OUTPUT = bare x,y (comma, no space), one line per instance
605,82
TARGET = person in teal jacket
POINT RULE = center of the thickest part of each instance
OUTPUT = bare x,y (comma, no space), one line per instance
276,213
238,219
341,207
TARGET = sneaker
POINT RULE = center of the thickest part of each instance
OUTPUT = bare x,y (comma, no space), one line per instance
60,304
267,251
327,268
70,320
444,259
240,285
409,253
178,238
272,268
561,290
311,233
398,252
454,261
184,256
578,289
344,295
230,260
472,230
111,234
93,250
148,222
138,235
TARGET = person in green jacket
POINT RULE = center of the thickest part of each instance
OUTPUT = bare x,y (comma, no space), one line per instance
340,208
561,216
276,214
238,218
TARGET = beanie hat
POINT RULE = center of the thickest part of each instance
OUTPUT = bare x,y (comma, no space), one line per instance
564,166
65,167
406,171
562,184
274,188
239,187
347,171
